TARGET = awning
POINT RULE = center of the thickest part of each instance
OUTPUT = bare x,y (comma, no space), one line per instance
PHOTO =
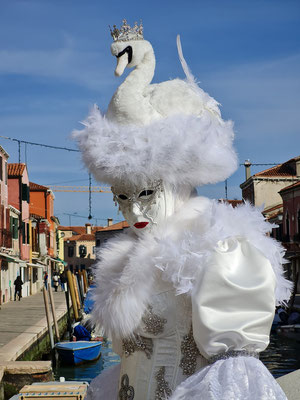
10,258
36,265
22,264
58,261
62,261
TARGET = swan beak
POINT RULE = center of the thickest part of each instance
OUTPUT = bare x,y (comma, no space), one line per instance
121,64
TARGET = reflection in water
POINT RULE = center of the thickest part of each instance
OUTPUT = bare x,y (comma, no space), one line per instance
281,357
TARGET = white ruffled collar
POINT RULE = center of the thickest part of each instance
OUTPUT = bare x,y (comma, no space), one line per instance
175,252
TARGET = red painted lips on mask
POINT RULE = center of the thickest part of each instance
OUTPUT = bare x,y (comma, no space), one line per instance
140,225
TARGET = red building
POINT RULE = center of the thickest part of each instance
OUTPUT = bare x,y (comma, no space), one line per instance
18,199
291,229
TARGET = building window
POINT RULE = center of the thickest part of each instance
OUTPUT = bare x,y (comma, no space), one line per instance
94,249
25,192
82,251
28,234
287,227
23,233
14,224
71,251
98,243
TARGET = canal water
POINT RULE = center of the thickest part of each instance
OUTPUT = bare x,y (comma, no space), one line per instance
281,357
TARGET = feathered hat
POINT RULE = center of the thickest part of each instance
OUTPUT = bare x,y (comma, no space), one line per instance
178,148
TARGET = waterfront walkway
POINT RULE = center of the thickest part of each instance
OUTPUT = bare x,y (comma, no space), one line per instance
23,322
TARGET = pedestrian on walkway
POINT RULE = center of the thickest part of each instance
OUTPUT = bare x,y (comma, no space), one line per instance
18,287
62,281
55,281
46,279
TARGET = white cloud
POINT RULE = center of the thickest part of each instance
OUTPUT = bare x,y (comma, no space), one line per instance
68,64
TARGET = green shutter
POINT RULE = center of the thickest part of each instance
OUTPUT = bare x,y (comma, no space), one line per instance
24,192
15,228
28,236
23,233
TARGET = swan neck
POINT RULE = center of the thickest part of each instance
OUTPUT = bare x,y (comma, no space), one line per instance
143,73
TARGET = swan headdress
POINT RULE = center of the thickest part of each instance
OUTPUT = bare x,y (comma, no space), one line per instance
171,131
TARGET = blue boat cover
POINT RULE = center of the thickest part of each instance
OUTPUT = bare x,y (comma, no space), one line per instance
81,333
88,302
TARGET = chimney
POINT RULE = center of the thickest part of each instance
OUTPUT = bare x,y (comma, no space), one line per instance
109,221
88,228
298,166
247,165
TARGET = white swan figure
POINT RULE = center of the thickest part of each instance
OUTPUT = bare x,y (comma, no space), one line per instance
137,101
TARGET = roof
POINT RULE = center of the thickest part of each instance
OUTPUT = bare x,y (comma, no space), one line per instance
36,187
293,186
78,229
273,208
115,227
234,202
280,170
4,152
15,169
84,237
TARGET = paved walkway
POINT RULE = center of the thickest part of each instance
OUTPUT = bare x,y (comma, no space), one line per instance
23,322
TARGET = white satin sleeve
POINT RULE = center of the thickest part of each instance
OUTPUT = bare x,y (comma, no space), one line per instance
233,301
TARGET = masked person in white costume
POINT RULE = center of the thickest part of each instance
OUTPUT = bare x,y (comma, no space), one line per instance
188,293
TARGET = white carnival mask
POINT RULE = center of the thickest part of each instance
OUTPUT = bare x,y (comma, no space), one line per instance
144,206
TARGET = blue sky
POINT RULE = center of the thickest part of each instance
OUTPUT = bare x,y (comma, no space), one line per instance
55,63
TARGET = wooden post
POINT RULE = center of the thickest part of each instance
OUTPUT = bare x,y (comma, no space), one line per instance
72,293
85,282
76,290
80,292
54,314
48,317
68,311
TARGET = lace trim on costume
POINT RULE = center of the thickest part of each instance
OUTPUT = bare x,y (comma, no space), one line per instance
153,323
126,392
233,353
138,343
163,390
190,353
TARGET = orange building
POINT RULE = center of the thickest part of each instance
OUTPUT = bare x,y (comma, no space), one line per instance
42,205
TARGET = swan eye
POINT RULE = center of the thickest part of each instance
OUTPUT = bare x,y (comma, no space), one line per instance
146,193
122,197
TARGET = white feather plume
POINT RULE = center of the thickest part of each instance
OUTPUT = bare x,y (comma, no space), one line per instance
176,252
180,149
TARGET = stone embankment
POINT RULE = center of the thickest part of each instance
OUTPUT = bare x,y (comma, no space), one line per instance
24,338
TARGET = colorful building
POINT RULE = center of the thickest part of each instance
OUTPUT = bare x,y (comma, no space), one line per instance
291,230
79,246
18,199
44,227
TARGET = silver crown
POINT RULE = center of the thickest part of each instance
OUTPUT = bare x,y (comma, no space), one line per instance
126,33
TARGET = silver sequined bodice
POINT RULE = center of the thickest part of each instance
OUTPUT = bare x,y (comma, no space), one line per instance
162,352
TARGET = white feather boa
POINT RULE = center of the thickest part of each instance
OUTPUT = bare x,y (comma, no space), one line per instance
176,252
178,149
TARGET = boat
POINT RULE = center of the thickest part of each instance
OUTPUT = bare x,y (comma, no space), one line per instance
63,390
75,353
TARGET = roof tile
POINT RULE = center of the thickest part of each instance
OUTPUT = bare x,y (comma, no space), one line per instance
15,169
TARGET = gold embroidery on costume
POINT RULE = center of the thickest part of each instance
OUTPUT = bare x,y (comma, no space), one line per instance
137,343
126,392
153,323
163,390
190,353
